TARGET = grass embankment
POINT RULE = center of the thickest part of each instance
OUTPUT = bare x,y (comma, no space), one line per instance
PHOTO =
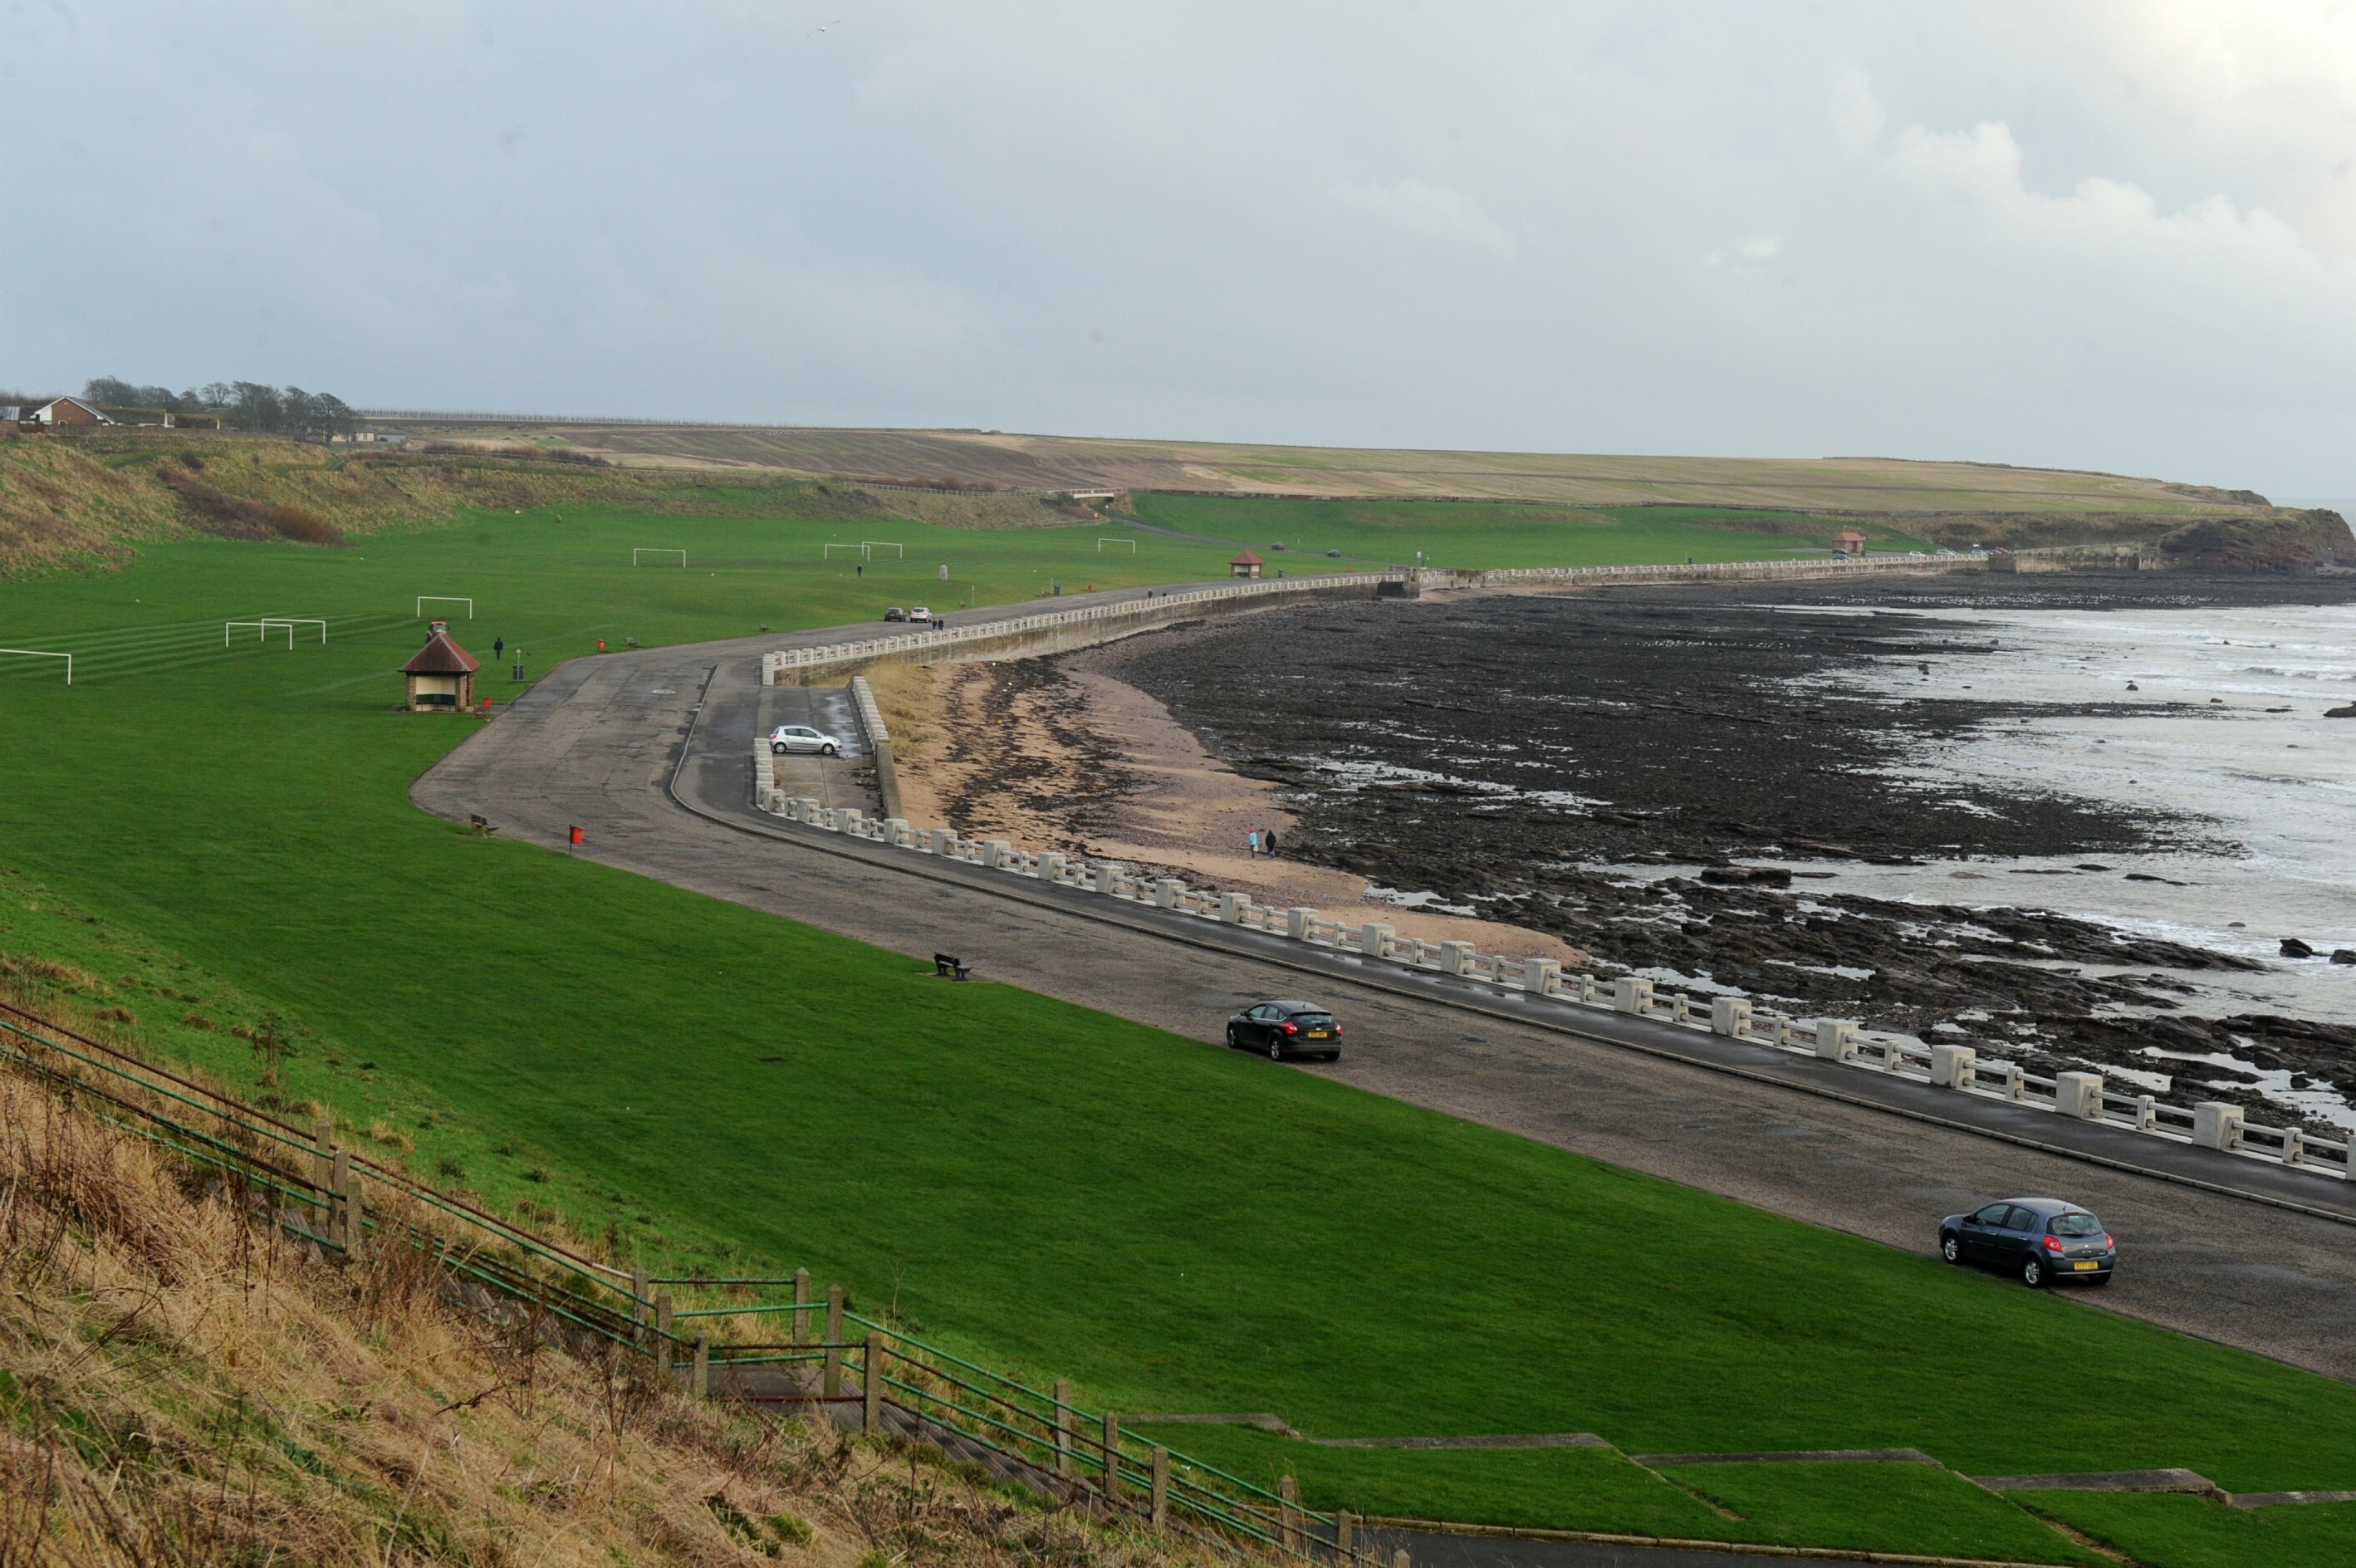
182,1386
90,498
1845,1506
1176,1228
2173,1531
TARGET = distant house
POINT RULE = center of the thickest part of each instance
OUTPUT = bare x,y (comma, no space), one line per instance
1850,541
1246,565
441,675
70,411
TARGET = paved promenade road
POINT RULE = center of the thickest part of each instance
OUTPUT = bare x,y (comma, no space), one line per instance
604,741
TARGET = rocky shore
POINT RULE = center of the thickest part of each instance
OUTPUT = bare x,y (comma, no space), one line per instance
1644,776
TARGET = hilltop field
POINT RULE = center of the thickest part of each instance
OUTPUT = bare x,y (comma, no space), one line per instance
210,848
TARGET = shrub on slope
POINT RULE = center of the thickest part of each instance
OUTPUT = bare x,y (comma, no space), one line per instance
180,1385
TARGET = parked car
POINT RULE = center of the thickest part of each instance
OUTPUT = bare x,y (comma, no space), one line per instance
1286,1029
896,613
2041,1240
920,616
802,738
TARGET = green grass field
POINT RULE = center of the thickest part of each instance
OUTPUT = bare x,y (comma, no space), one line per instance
1479,535
2173,1531
1176,1228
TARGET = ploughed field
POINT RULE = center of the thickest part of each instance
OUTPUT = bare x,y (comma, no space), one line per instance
1630,770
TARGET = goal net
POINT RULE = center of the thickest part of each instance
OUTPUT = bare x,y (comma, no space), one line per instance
657,549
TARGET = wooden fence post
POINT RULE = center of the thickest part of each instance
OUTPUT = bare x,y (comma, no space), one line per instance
801,1334
871,1385
832,1386
323,1169
662,1332
1343,1530
1288,1513
354,1218
339,1197
1160,1487
1111,1457
699,1381
1063,1428
641,1306
1398,1559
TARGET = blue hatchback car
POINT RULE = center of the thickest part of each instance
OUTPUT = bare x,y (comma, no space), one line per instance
2044,1241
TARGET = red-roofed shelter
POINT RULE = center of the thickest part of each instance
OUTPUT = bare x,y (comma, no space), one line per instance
441,675
1850,541
1246,565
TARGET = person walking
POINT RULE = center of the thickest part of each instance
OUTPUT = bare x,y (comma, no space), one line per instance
1251,843
1268,841
498,647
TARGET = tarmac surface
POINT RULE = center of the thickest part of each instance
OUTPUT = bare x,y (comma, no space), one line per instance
650,752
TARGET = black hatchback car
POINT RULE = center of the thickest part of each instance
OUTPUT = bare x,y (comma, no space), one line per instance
1286,1029
2042,1240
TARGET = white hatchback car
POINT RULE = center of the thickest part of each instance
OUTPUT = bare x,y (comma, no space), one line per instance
801,737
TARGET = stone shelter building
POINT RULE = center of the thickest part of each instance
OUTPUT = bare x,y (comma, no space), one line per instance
441,675
1246,565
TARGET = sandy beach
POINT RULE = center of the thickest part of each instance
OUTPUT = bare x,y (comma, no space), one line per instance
1062,754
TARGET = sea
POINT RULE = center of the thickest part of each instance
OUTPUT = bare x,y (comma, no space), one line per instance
2213,717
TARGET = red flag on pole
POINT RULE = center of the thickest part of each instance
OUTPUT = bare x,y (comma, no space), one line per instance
575,833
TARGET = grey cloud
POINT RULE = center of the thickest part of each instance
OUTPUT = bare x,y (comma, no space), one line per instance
1722,228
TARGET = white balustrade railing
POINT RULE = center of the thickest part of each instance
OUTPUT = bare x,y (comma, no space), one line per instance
1957,1068
793,663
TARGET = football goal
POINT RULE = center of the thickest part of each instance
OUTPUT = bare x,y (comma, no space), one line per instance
425,599
261,630
899,552
1131,542
656,550
290,622
38,654
826,553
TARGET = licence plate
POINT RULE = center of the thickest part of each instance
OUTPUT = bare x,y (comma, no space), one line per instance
2085,1265
1315,1035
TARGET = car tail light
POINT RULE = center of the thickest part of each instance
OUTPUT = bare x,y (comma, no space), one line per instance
2053,1244
2107,1242
1292,1029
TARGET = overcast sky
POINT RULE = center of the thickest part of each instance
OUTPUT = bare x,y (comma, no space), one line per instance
2113,236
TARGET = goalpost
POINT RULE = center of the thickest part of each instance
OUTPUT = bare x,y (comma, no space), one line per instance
1131,542
261,630
865,544
826,553
290,622
424,599
40,654
656,550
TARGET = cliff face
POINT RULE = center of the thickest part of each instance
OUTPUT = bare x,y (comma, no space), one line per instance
2285,542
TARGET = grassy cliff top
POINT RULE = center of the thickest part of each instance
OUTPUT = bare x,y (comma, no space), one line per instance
1063,462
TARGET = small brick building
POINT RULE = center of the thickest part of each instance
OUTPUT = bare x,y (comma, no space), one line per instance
69,410
441,675
1850,541
1246,565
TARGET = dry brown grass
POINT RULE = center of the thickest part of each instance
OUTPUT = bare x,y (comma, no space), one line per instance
179,1384
971,457
85,499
